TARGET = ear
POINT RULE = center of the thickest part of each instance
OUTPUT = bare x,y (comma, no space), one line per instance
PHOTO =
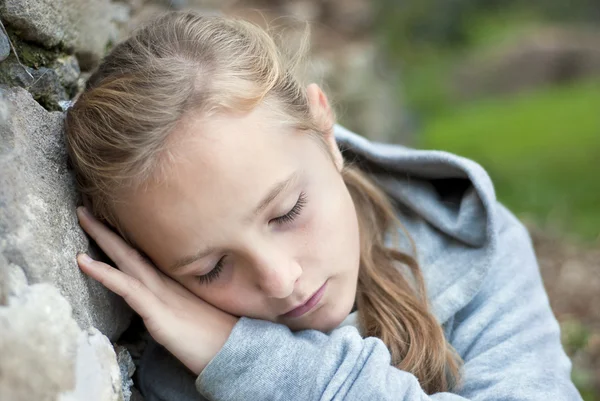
323,115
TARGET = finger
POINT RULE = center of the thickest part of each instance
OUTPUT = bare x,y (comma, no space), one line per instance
128,259
133,291
125,257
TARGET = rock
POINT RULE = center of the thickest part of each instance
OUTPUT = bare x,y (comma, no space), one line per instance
32,54
83,25
49,75
4,46
46,356
67,71
50,86
97,374
4,287
12,280
39,233
127,369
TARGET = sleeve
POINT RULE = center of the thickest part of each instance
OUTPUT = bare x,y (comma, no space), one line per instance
507,336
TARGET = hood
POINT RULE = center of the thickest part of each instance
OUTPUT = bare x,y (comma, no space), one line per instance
446,202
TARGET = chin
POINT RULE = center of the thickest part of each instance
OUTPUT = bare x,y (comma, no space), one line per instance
336,317
325,319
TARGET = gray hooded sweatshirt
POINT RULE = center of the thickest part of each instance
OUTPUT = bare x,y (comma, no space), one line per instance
484,287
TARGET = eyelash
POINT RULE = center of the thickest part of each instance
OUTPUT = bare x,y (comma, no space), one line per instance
294,213
213,274
286,218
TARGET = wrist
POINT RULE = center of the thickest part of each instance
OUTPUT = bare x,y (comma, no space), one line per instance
217,341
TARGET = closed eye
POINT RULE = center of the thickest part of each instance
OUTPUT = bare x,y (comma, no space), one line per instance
286,218
293,213
213,274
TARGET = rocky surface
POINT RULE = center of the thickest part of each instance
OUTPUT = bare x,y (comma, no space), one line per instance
45,43
4,46
127,368
39,233
53,86
46,356
83,25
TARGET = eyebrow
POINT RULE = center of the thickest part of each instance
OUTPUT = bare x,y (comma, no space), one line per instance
188,260
274,192
277,189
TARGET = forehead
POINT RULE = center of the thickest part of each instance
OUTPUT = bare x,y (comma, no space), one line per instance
218,171
229,151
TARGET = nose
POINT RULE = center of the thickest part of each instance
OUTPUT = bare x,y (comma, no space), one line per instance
277,274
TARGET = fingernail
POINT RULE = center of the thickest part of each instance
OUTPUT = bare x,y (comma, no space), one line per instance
85,258
83,210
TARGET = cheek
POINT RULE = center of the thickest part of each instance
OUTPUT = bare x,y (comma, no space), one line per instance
226,293
331,234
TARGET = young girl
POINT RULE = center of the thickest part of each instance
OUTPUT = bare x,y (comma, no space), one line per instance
250,227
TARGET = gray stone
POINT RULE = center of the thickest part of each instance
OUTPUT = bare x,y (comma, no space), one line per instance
51,77
4,45
67,71
83,25
39,233
4,288
45,84
97,374
127,369
12,280
46,356
4,116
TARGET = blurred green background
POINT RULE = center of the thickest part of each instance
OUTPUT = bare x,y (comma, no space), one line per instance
540,140
515,85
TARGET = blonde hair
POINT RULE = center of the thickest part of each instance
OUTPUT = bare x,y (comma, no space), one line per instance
185,62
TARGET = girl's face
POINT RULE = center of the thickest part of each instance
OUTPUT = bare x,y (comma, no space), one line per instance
254,218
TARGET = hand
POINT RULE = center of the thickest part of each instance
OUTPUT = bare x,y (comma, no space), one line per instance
190,328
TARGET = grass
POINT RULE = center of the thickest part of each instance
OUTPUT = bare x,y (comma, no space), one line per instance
542,150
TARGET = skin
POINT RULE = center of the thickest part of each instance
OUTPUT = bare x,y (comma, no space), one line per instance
220,170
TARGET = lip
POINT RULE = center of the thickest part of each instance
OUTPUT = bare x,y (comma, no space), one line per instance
308,304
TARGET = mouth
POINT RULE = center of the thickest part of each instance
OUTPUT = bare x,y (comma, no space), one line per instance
308,305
